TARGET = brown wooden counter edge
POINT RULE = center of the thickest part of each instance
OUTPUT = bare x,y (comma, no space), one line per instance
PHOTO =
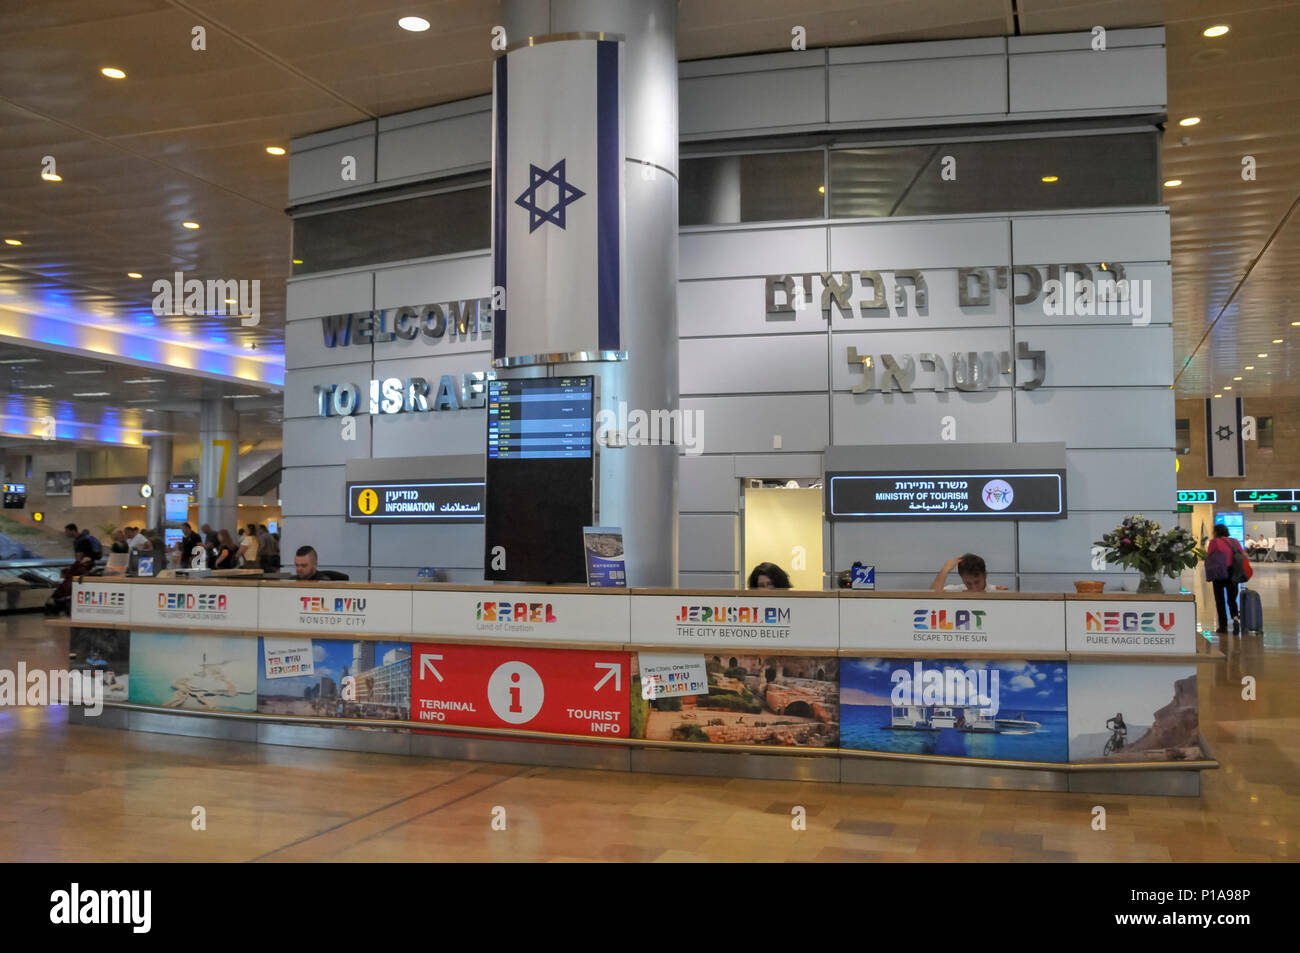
1130,596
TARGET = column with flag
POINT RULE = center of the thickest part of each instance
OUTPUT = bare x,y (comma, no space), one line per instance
557,202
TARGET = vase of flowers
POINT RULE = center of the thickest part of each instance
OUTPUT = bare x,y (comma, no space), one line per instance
1138,543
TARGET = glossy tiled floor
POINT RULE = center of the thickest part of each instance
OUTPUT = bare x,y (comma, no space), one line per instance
78,793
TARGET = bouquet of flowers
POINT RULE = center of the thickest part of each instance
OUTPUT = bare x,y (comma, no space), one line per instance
1138,544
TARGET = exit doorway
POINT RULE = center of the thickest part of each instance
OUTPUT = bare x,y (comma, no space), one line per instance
784,525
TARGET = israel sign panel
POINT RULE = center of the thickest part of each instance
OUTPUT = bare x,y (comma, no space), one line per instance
557,203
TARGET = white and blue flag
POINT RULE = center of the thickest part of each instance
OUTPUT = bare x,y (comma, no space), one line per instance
1225,453
557,200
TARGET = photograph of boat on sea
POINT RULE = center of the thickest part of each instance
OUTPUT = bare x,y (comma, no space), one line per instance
977,708
203,672
1134,713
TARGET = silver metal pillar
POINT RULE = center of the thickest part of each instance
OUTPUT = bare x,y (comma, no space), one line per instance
218,492
160,469
638,484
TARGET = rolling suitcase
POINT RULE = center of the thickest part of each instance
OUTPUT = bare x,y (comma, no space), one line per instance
1252,613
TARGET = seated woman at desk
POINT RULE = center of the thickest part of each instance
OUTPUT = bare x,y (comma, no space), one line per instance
974,576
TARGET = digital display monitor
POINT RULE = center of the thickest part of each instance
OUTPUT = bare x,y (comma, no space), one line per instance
176,507
539,490
1198,496
15,496
1236,523
173,536
273,526
948,494
1265,496
540,418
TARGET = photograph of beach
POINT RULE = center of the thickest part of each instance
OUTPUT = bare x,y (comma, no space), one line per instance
1026,721
202,672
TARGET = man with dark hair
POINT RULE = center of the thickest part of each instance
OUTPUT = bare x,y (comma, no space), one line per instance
83,543
304,564
974,575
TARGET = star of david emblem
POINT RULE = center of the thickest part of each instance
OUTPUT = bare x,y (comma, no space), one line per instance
538,177
1224,432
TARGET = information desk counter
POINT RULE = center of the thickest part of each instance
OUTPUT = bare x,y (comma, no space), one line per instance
1009,690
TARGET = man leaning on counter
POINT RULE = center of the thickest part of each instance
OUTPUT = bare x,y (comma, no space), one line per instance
971,569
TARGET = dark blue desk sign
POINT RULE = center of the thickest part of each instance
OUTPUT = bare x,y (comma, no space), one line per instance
603,546
946,494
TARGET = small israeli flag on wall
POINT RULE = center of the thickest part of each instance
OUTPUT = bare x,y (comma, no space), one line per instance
1225,453
557,201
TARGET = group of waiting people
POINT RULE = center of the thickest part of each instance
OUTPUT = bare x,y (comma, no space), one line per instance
255,548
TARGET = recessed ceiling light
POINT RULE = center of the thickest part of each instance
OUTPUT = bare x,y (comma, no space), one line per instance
83,372
34,386
1227,387
1265,354
1051,178
1213,31
1173,183
414,24
92,393
134,274
1295,324
1250,367
1236,378
275,150
145,380
242,396
1218,395
12,241
112,72
1189,121
231,301
189,224
141,401
297,261
51,177
22,360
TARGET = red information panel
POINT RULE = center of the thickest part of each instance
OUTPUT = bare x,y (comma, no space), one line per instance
488,686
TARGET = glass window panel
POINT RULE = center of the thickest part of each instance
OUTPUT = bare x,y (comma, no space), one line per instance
765,187
1004,175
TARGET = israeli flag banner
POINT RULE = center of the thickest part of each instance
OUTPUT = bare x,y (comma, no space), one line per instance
557,203
1225,453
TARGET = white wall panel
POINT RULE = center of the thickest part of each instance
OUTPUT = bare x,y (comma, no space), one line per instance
954,86
1090,238
335,294
743,253
737,306
752,365
1087,416
458,546
313,491
952,243
707,543
710,580
707,484
920,581
981,417
1136,480
1087,79
748,424
898,546
430,434
943,343
317,441
782,97
435,148
434,282
432,366
1103,357
777,466
337,542
320,171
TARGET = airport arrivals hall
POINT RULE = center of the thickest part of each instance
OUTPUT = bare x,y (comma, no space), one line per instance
649,431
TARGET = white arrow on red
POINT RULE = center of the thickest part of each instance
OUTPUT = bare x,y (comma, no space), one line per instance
615,671
426,661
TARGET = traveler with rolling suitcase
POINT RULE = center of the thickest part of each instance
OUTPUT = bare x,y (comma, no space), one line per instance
1226,566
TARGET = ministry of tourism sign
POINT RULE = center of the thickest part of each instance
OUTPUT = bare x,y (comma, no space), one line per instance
1002,494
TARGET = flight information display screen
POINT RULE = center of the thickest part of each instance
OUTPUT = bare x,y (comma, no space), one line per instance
15,496
544,418
540,480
